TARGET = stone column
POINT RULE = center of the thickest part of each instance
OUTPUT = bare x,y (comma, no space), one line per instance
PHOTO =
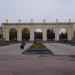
31,35
72,32
44,34
7,34
4,32
69,37
69,34
57,34
19,35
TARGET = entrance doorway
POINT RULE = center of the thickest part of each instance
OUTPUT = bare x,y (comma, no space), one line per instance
25,34
38,34
63,35
13,35
50,34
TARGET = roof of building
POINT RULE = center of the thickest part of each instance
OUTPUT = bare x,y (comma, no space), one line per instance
54,23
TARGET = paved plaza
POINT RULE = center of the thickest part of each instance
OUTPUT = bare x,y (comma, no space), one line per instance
12,49
61,49
13,62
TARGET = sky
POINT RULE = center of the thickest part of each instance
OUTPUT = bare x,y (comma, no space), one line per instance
38,10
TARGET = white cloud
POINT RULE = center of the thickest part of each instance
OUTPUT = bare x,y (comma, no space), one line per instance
37,9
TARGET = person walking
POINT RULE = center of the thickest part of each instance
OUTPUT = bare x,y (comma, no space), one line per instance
22,44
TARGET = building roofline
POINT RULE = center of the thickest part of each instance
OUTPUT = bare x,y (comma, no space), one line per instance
54,23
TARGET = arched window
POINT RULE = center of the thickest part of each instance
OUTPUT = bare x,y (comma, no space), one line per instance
25,34
13,35
38,34
63,35
50,34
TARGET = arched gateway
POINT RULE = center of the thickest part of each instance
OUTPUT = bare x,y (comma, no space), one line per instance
48,31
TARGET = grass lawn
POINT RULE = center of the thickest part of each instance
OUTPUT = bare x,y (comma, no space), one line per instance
40,46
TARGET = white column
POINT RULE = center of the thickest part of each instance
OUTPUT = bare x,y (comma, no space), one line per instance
4,32
57,34
31,35
44,35
7,34
19,36
69,35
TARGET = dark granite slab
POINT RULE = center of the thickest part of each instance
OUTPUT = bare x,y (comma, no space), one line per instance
37,51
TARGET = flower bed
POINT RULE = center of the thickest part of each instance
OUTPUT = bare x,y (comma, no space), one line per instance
38,46
37,49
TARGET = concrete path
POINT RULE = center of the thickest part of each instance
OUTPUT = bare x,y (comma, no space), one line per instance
13,62
57,49
61,49
13,49
36,65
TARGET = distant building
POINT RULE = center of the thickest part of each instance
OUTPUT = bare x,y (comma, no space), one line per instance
1,32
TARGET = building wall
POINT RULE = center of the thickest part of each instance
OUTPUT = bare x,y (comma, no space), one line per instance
1,32
32,26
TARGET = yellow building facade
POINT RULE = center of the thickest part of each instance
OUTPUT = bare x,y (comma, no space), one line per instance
43,26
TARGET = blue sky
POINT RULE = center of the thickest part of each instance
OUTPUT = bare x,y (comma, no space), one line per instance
37,10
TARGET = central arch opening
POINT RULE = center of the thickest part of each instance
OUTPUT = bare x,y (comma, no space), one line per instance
38,34
63,35
13,34
25,34
50,34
